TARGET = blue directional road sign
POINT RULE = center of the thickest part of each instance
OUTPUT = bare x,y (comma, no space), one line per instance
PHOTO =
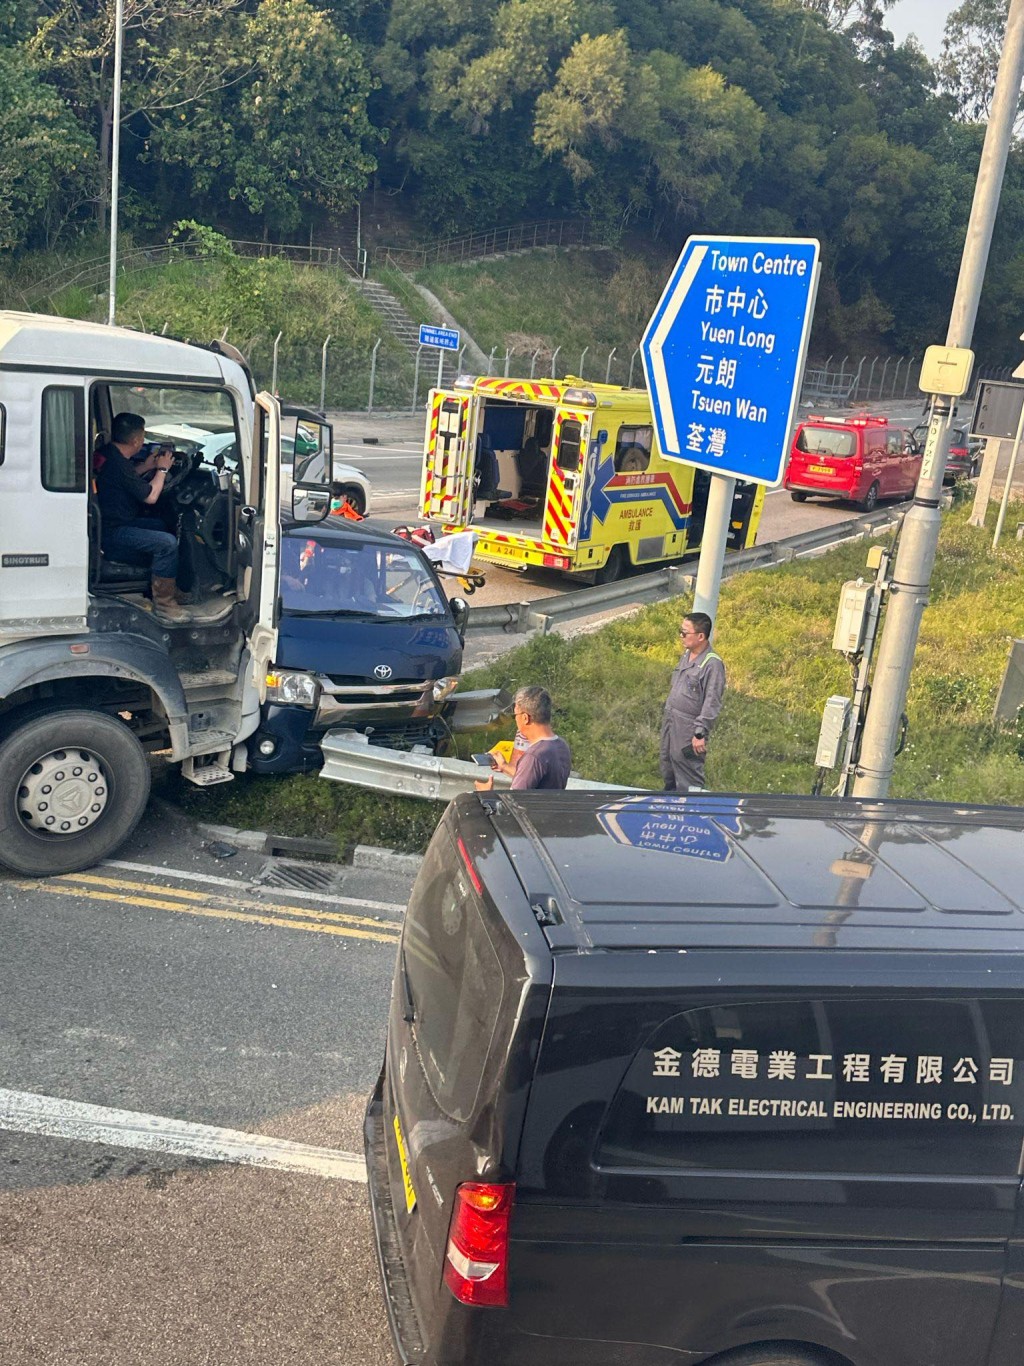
447,338
724,352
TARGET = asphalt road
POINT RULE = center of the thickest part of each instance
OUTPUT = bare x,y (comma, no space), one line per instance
389,450
140,1004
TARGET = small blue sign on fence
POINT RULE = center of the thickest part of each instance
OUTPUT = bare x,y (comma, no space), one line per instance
447,338
724,351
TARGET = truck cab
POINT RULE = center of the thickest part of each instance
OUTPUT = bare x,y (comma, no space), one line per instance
90,678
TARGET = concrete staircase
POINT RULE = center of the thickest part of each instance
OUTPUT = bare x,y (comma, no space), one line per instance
398,322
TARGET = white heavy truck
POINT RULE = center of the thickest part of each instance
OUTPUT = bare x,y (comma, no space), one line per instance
90,678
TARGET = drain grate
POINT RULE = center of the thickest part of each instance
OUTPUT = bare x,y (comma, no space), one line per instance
305,877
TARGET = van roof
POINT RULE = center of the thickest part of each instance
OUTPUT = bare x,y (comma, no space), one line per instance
571,389
40,342
657,870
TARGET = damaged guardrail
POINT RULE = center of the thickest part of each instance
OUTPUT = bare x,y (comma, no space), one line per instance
671,581
350,758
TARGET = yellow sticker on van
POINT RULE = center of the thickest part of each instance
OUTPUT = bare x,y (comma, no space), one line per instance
410,1193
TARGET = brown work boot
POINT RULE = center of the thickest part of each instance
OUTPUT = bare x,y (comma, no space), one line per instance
164,603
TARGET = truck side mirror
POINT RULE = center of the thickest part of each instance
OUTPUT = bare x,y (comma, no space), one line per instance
460,611
310,502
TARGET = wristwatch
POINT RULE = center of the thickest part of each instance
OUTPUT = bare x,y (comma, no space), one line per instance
700,735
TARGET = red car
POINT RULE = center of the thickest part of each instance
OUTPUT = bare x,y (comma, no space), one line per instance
860,459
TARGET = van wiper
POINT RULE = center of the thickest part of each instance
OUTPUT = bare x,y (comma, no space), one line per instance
329,612
408,1009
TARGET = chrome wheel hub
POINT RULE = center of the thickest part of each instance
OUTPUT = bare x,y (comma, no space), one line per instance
63,793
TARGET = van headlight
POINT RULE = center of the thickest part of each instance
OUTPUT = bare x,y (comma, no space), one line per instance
444,687
296,689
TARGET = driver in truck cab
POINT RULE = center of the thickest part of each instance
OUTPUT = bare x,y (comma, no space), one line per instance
122,491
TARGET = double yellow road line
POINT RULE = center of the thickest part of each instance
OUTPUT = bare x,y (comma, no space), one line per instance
159,897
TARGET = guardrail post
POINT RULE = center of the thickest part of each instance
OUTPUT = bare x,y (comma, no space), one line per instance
508,358
323,371
632,362
608,367
490,361
554,358
373,373
273,381
533,362
583,357
416,376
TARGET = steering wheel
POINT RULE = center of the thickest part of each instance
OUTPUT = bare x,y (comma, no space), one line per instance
181,466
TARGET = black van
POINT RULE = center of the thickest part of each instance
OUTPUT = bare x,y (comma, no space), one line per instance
708,1078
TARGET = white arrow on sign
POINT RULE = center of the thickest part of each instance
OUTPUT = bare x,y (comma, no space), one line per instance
668,319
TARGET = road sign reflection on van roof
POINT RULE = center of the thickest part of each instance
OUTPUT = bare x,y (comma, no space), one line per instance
668,828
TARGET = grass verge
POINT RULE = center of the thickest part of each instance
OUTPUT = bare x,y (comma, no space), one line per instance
774,632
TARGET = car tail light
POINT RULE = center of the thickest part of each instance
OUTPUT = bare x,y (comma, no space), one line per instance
959,451
476,1262
555,561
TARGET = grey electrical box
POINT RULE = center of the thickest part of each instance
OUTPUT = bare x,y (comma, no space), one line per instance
852,617
833,728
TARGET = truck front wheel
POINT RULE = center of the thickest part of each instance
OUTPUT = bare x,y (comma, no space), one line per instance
73,785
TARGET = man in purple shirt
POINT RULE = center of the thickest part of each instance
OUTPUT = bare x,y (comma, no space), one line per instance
547,761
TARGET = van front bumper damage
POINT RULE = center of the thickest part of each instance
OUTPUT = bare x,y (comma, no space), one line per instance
395,716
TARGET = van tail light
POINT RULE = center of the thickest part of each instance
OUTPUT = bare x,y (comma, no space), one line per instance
476,1261
474,876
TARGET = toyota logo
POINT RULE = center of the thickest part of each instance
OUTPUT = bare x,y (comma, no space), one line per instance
383,671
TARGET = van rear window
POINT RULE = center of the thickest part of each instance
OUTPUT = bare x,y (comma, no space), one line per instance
921,1087
454,979
834,441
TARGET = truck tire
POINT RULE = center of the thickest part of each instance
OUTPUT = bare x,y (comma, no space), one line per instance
73,784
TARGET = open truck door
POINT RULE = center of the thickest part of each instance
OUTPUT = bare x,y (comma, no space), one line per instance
448,459
263,514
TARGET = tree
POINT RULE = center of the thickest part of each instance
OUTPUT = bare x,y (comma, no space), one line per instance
287,127
971,46
43,151
169,63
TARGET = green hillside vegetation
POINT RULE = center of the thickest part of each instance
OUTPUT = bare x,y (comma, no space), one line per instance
774,631
273,119
540,300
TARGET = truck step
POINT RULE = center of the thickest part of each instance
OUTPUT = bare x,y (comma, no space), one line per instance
206,769
200,680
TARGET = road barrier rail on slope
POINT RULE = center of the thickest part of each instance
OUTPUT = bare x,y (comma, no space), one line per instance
671,581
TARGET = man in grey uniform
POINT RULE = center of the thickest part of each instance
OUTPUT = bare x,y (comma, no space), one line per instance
694,701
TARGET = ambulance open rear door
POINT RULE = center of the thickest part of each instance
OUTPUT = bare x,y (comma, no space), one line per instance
447,489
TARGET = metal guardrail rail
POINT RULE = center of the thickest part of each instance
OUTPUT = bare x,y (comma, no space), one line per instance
350,758
672,581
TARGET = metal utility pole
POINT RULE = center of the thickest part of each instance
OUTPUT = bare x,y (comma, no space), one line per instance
115,158
919,538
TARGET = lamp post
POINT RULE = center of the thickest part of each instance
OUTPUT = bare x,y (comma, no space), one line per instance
115,156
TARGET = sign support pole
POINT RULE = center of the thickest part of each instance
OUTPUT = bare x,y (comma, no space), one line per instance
712,544
440,369
987,478
1009,480
920,535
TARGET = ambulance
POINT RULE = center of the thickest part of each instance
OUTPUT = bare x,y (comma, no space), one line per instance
582,485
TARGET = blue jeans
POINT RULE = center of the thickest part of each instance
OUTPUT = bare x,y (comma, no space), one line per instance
144,536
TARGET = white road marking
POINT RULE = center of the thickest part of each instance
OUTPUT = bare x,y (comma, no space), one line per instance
387,907
25,1112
